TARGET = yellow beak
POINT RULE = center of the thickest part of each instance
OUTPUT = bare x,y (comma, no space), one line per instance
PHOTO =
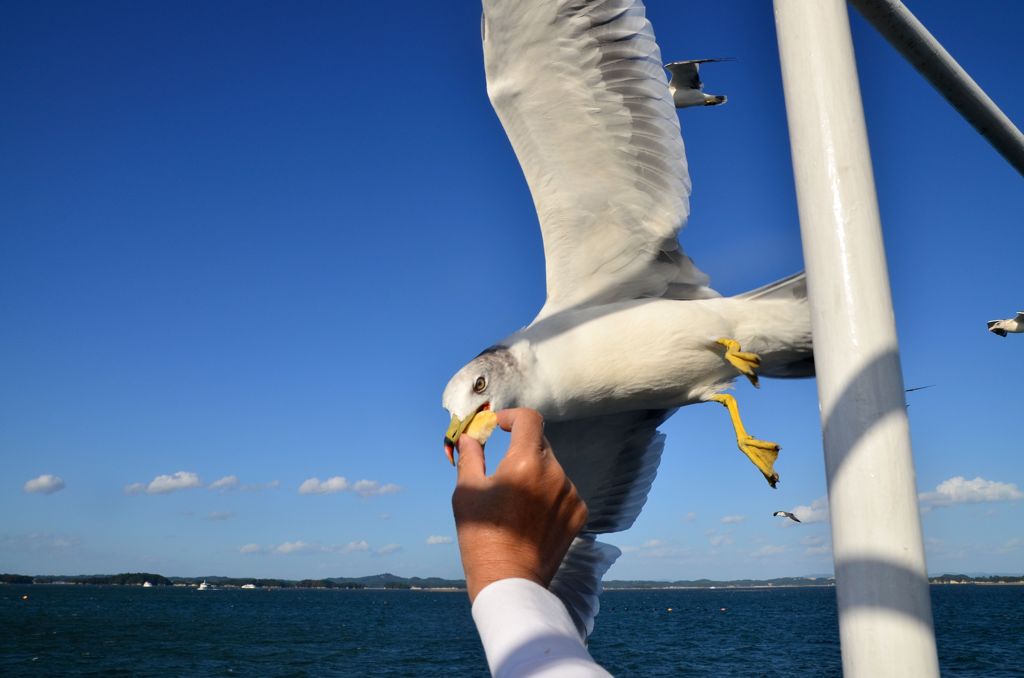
454,431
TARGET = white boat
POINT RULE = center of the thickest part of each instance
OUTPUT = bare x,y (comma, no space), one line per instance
248,586
204,586
147,585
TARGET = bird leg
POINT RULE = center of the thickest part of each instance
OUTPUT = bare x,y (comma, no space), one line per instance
761,452
746,363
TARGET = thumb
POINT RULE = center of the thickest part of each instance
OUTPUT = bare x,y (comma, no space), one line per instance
471,466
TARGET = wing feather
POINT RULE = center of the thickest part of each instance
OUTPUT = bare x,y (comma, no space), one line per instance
612,461
578,580
580,90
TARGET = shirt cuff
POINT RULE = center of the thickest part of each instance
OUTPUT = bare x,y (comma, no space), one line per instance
526,631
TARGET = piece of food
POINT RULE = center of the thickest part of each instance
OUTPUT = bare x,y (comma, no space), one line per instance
482,426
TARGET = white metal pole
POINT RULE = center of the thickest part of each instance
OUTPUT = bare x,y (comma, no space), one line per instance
885,619
909,36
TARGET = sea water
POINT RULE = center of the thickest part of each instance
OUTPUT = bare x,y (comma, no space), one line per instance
130,631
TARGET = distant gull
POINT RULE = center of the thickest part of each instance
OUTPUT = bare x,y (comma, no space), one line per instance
786,514
686,87
631,329
1013,325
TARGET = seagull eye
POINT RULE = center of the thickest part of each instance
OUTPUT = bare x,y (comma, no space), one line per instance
479,385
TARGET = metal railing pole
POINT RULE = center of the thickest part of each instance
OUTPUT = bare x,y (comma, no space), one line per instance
911,39
885,619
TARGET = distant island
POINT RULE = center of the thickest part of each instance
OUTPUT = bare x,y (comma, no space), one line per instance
391,581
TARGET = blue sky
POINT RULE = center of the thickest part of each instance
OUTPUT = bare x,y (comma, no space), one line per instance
234,238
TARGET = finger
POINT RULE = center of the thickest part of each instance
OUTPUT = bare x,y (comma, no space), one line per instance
471,466
527,428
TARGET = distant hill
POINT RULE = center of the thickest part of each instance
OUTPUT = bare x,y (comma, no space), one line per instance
388,580
713,583
123,579
392,581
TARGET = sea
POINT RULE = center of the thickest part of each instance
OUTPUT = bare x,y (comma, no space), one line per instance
77,630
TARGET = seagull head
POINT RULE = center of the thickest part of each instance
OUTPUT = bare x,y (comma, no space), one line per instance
490,381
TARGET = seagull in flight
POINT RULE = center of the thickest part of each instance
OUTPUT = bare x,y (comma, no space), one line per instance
1013,325
786,514
631,329
686,86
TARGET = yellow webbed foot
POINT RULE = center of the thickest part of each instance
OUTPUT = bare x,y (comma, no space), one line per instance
761,452
747,363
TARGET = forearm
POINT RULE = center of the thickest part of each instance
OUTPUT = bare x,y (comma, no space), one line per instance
526,631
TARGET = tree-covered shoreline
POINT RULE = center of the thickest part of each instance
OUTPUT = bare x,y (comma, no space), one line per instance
391,581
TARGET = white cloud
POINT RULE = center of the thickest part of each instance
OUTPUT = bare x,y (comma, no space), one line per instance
730,520
251,548
364,488
220,515
360,545
959,490
719,539
225,483
296,547
438,539
182,480
389,549
768,550
329,486
45,484
817,512
655,548
689,517
817,545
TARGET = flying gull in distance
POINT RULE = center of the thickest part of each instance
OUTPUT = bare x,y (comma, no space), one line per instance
631,329
787,514
686,87
1013,325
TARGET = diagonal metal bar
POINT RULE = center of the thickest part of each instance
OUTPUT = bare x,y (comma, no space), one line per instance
911,39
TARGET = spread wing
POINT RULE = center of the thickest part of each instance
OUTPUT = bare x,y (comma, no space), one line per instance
685,74
612,460
1019,317
580,90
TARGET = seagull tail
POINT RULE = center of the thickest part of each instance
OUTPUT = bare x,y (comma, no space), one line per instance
796,359
790,287
715,99
578,580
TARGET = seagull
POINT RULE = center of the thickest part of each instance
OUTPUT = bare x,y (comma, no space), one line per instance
786,514
686,87
1013,325
631,329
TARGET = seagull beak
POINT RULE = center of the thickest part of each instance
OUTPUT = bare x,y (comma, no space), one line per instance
455,429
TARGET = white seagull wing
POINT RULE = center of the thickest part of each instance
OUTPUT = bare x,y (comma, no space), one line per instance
685,74
580,90
612,460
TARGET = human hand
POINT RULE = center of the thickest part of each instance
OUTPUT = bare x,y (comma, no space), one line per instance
520,521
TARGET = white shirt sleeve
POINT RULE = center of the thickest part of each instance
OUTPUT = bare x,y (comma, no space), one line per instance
526,631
